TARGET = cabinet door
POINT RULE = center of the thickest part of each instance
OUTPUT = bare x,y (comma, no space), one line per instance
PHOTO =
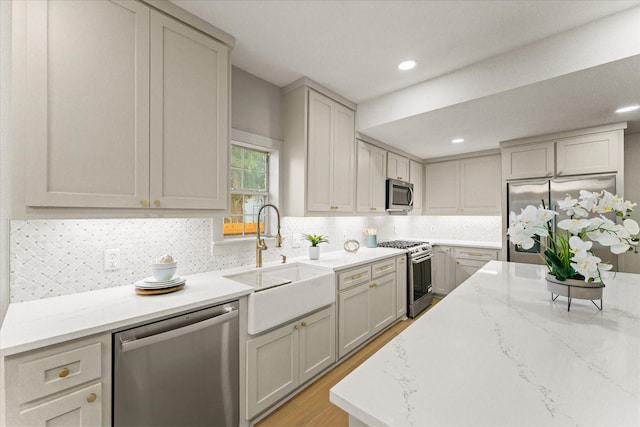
80,408
272,368
416,177
319,153
397,167
317,343
443,281
585,154
442,188
401,286
383,302
87,103
371,178
528,161
189,121
465,268
344,159
353,318
481,184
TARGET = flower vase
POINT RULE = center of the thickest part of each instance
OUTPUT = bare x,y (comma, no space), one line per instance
574,288
314,252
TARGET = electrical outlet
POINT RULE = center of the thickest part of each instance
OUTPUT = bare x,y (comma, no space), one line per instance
433,228
111,259
296,241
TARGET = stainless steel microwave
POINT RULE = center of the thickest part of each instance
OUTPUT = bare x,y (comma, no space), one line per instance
399,196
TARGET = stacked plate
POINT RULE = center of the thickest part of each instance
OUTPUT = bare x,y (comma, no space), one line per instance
151,283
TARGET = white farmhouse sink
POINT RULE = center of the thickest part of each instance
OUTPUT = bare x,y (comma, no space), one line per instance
285,292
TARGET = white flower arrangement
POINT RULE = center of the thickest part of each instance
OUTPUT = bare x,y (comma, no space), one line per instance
568,253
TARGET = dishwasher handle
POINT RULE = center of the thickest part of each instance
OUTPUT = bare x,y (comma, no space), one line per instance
153,339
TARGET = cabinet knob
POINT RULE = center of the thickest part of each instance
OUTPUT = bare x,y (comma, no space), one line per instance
91,398
144,202
373,285
63,373
559,172
296,327
304,324
156,202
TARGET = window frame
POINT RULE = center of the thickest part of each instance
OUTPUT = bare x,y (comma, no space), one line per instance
272,147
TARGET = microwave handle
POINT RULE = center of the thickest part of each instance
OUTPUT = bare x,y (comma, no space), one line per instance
410,196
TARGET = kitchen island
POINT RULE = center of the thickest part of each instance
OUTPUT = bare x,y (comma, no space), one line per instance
498,352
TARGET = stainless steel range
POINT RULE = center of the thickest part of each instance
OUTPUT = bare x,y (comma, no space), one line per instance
419,291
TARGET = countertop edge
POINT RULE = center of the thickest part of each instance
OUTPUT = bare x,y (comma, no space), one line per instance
12,339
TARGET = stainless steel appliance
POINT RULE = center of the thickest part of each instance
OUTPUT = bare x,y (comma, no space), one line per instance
179,371
399,196
419,291
549,191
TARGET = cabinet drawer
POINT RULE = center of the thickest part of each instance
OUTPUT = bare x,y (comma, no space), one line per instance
381,268
353,277
41,377
477,254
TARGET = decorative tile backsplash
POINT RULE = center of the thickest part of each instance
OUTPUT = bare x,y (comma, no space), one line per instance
58,257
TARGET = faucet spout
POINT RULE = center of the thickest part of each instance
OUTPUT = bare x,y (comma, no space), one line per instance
260,244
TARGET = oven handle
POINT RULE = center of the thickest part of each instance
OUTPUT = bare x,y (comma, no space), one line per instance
421,259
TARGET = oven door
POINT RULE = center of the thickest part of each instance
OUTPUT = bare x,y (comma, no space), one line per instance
420,291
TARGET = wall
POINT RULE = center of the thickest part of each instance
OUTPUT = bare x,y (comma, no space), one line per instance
60,257
256,106
630,262
5,150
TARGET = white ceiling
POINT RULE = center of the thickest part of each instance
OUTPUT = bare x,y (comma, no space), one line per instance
353,48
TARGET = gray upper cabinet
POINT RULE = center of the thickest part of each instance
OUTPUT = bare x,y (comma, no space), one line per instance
579,152
126,108
318,172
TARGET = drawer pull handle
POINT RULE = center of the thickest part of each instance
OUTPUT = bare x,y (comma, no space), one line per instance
304,324
63,373
357,276
92,398
474,254
373,209
386,267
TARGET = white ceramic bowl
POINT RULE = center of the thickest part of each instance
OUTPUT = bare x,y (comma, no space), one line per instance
163,271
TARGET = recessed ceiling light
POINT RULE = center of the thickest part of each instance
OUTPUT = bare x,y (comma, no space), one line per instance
457,140
627,109
407,65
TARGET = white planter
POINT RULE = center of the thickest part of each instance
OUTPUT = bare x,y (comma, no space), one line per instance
314,252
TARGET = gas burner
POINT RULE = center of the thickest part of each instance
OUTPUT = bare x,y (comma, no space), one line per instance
401,244
414,247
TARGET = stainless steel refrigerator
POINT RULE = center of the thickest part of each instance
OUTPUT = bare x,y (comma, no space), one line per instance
535,192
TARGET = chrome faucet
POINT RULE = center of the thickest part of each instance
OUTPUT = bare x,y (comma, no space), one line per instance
260,244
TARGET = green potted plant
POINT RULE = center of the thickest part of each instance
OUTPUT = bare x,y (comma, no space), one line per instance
315,240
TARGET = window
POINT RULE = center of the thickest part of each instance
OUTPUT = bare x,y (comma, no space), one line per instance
249,191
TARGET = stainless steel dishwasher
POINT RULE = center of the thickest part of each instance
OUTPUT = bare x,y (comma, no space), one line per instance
181,371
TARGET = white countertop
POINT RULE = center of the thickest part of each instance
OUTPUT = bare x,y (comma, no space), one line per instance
35,324
498,352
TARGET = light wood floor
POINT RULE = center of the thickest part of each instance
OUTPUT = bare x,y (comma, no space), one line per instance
311,407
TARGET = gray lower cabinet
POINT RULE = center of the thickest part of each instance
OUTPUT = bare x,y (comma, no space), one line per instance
366,303
66,384
281,360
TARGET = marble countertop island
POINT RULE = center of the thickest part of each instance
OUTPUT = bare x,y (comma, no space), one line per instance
498,352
